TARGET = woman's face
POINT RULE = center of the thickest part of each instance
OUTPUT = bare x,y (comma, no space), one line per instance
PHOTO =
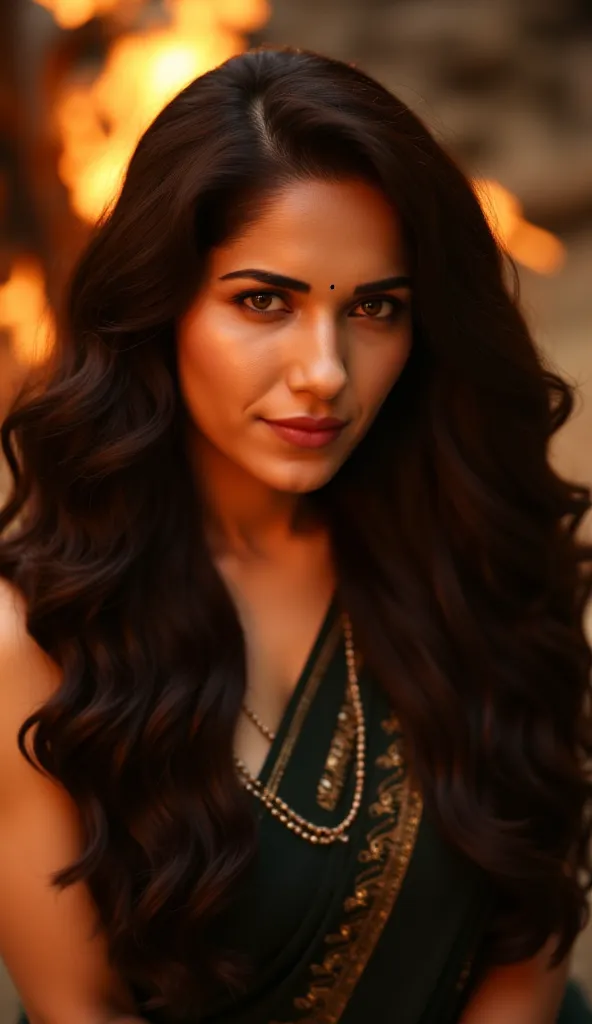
326,342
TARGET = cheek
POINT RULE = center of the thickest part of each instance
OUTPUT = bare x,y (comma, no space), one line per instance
215,342
201,353
216,370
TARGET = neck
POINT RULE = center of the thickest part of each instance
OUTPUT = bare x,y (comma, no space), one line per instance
244,518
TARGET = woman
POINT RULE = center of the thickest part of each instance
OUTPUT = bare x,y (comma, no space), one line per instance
291,593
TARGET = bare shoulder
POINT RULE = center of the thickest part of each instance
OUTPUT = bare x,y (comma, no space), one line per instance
60,968
28,678
12,613
17,646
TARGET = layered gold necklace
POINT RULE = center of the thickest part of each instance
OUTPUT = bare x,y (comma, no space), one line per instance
278,808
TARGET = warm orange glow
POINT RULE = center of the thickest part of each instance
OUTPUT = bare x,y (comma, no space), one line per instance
534,247
25,313
100,122
72,13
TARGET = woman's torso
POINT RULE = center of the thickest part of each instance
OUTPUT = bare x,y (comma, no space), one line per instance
388,926
386,921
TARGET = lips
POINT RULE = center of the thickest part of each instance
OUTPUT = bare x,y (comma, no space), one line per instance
306,431
310,423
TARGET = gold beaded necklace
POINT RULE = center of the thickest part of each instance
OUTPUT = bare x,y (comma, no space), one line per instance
321,834
269,735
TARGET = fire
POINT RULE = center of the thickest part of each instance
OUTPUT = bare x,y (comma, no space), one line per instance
72,13
24,311
531,246
101,121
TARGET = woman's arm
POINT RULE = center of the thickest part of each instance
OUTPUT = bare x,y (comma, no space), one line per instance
523,993
62,973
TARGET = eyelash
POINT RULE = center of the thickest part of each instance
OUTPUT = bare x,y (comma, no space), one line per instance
398,304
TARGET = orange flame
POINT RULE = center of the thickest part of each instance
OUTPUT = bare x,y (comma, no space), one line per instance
532,246
25,313
72,13
101,122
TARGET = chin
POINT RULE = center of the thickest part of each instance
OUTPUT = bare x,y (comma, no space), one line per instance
302,480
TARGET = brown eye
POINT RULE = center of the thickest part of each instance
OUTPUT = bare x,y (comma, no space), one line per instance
258,302
372,307
261,301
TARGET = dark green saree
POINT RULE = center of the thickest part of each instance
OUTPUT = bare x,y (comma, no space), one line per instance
384,928
378,928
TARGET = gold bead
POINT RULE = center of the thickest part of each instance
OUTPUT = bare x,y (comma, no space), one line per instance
322,834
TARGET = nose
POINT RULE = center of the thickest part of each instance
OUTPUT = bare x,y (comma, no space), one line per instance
316,361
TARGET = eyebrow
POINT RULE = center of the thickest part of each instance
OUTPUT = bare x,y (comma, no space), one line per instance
267,277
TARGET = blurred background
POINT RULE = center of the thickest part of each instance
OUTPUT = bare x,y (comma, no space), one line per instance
506,85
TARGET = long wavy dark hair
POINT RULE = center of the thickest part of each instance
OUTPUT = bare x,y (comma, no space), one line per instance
454,538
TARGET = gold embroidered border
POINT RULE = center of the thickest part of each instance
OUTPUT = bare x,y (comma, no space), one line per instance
332,780
387,853
301,712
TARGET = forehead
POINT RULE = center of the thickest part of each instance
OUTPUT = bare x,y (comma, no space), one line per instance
317,230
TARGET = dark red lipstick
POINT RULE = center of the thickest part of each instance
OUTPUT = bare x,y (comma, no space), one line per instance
308,431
